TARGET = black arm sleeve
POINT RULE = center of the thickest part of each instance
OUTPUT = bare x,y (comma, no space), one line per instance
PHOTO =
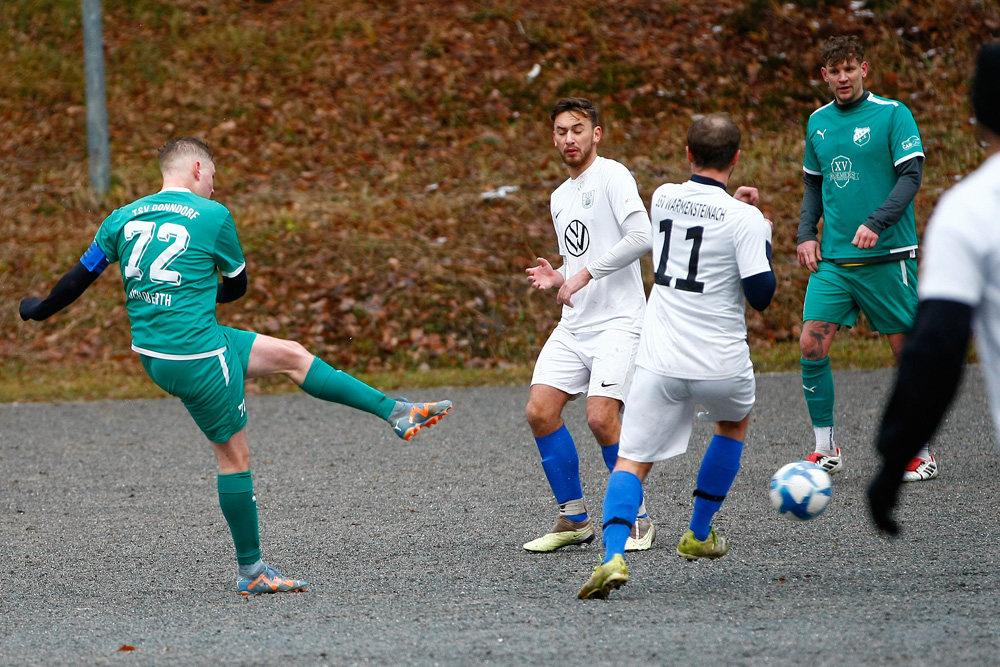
930,369
66,291
910,174
233,288
812,208
759,288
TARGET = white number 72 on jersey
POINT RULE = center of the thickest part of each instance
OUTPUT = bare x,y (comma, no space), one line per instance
158,270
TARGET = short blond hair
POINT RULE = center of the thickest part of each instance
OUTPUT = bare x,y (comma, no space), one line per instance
179,148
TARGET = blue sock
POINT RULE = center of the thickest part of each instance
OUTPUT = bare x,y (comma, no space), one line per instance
610,459
562,467
621,502
718,470
610,454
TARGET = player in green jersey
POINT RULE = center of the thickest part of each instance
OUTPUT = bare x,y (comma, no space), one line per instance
863,166
173,245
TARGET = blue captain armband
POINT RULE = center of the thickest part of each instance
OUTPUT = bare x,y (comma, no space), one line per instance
94,259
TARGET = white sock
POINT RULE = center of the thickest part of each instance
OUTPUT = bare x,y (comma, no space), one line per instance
825,444
252,569
642,510
925,452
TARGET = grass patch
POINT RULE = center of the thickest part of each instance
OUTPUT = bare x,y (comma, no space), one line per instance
124,378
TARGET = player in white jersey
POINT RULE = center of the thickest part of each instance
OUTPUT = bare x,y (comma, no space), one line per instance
711,253
603,230
959,292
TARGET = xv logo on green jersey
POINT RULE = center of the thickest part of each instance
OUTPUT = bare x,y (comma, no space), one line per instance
842,171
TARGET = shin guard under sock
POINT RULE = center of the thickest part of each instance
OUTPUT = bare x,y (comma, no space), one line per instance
239,507
621,502
561,464
817,385
328,384
715,477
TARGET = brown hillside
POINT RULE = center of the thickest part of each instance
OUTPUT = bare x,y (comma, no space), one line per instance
355,141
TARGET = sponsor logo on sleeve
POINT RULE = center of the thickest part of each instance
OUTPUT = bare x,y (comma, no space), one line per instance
912,142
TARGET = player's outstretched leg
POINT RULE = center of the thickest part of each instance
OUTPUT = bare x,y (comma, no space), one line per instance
329,384
407,418
262,578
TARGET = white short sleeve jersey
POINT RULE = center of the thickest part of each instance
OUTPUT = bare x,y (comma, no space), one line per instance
588,212
704,243
962,262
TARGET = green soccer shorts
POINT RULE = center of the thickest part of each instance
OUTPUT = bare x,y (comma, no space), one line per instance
885,292
211,388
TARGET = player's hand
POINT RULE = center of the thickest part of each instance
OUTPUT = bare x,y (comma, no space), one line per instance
572,286
810,255
882,498
544,276
747,195
29,308
865,238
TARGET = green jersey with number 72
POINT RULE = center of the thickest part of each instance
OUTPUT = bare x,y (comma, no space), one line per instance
172,245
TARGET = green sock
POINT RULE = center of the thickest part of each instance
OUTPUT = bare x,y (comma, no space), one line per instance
328,384
817,385
239,506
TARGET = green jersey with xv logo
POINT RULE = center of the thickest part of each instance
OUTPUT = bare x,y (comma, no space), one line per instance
172,245
856,151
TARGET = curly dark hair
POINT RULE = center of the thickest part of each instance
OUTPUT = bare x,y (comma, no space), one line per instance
841,49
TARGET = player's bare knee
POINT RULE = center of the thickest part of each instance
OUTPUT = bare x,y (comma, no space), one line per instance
606,426
810,349
541,418
295,358
733,430
815,339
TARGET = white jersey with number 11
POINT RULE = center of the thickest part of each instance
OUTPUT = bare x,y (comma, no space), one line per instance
704,243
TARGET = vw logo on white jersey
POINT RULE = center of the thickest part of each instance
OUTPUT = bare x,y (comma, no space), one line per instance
577,238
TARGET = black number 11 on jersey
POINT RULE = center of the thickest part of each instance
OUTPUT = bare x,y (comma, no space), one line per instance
689,284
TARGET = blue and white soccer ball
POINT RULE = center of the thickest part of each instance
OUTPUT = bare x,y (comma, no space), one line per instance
801,490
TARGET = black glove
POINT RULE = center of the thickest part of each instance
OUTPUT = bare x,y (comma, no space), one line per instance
882,498
29,308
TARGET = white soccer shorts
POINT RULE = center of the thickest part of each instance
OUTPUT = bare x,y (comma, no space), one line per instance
598,364
660,411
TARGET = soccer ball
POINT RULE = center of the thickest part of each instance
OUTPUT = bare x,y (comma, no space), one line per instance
801,490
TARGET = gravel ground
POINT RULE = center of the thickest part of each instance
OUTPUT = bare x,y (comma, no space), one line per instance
112,537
